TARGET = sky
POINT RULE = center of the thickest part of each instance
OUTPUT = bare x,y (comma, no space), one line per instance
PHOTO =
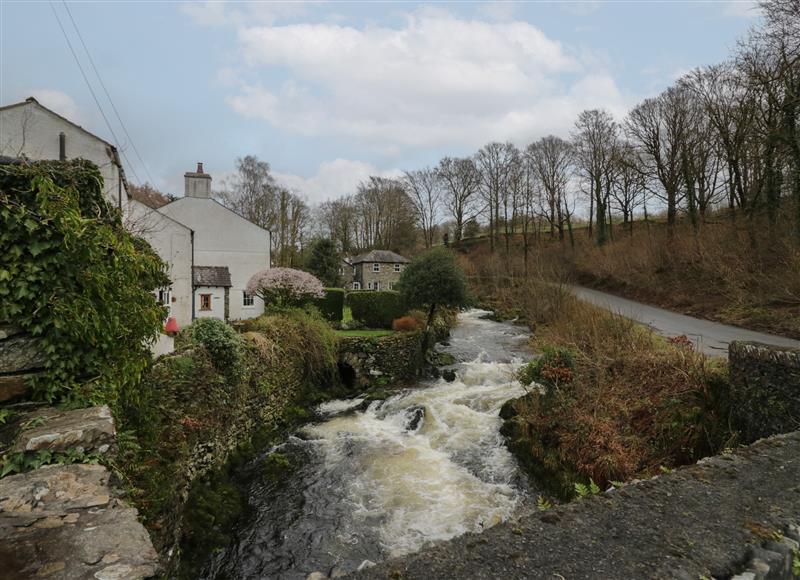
329,93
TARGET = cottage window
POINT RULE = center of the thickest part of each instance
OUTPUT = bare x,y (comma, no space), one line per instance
205,302
354,270
376,267
377,285
163,297
389,286
356,285
397,267
369,285
247,299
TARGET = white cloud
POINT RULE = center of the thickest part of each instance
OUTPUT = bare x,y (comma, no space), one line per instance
741,9
438,80
333,179
59,102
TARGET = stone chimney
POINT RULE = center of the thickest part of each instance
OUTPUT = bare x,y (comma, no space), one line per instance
197,184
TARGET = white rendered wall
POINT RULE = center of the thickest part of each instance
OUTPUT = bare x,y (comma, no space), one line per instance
32,131
172,241
223,238
217,302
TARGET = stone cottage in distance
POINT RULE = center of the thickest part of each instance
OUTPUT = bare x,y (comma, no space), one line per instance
376,270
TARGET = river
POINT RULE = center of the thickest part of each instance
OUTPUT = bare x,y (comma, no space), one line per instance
423,466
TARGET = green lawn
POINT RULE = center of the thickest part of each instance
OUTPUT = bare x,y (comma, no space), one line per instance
365,332
347,314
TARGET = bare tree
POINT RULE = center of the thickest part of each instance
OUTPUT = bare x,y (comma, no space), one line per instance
494,161
595,140
551,160
461,182
424,188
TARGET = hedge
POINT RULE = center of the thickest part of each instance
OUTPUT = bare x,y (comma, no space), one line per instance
332,304
375,308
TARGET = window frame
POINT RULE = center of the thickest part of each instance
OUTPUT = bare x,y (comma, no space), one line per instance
356,285
245,297
376,267
397,268
203,298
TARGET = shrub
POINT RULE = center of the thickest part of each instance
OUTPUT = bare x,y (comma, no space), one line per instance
222,343
405,324
375,308
303,335
331,305
74,279
285,286
555,367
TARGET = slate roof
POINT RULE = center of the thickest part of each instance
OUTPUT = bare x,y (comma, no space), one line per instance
383,256
211,276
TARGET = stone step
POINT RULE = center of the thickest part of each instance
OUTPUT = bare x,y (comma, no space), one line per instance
88,430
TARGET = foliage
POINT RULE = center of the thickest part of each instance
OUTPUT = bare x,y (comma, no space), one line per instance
433,279
76,281
554,367
223,343
20,462
543,504
324,262
582,490
375,308
405,324
283,287
331,305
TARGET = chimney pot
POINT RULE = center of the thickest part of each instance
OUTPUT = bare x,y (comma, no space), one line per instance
199,167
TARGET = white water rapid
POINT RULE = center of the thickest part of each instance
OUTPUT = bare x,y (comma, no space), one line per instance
425,465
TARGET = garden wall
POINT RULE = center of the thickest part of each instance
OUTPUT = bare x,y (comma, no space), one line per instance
366,361
765,387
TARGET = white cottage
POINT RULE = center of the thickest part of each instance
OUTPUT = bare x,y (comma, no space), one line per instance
29,129
228,250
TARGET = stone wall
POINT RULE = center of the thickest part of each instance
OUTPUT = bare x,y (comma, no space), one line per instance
380,361
65,522
20,358
765,388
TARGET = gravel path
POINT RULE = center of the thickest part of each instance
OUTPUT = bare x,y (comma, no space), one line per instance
699,521
710,337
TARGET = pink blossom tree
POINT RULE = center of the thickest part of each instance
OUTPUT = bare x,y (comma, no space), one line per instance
285,286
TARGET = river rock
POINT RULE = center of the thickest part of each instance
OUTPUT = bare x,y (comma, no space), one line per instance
415,415
89,429
60,522
449,375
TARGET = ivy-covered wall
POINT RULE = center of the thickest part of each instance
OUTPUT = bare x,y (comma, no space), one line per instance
73,279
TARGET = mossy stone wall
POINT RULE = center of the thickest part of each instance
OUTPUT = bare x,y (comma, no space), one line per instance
765,388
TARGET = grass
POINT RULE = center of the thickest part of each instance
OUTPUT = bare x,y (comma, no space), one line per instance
366,332
347,315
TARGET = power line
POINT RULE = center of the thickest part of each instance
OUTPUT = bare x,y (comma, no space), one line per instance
91,90
108,96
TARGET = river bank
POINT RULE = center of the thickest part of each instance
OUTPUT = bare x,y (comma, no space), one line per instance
616,401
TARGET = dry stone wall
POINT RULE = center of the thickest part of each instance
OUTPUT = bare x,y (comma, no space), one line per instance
765,388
